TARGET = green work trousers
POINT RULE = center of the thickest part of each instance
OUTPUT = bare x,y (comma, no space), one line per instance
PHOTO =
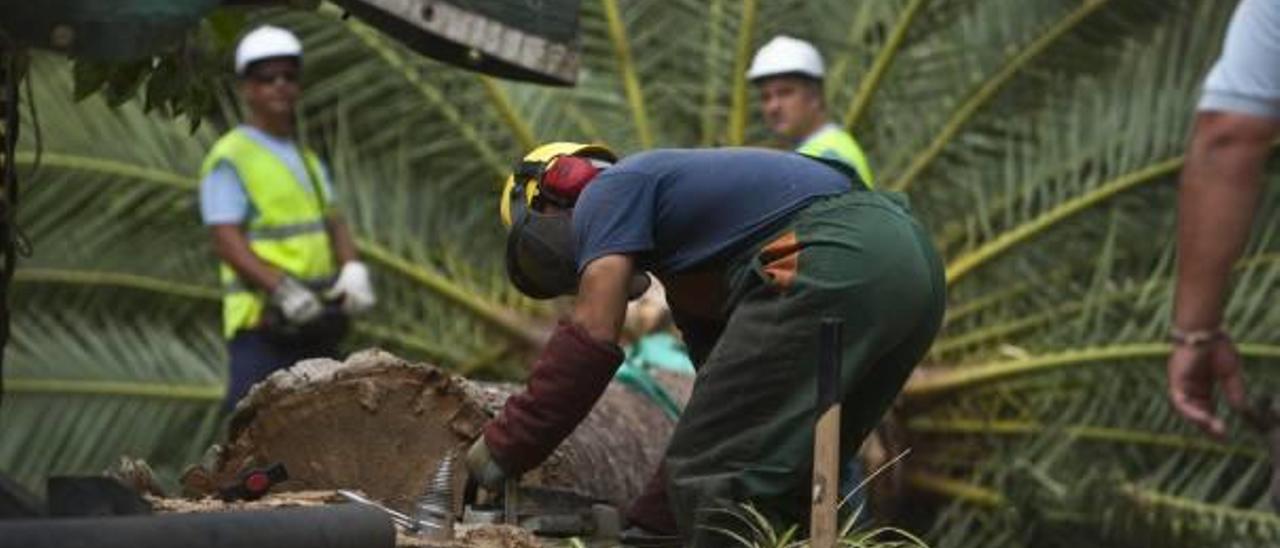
746,435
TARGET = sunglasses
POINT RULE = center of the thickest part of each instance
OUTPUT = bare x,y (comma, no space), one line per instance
287,76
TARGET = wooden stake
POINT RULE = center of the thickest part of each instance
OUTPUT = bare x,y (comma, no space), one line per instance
823,526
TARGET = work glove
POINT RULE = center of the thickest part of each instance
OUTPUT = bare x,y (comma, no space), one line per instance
353,287
483,468
298,303
564,384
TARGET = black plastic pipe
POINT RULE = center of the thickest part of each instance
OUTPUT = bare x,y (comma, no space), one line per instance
337,526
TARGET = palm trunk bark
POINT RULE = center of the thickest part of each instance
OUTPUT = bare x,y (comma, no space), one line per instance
382,425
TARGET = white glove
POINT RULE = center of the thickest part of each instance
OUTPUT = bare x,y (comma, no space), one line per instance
353,288
298,303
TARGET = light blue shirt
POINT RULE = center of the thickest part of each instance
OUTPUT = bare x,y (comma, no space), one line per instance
223,199
1246,78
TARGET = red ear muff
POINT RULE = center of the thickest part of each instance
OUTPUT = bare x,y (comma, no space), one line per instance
567,176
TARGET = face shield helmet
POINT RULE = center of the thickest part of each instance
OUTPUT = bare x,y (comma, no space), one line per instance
540,258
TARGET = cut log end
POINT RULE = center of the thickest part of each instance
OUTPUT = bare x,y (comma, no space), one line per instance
382,425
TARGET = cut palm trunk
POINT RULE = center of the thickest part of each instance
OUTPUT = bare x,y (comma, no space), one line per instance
382,425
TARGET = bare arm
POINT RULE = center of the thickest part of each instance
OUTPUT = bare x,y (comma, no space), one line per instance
1217,202
601,305
232,246
344,246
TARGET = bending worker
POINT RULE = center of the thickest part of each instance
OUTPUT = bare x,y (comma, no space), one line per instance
269,206
788,73
1236,122
754,248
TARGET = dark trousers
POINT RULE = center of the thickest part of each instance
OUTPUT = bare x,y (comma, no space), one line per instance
746,435
255,354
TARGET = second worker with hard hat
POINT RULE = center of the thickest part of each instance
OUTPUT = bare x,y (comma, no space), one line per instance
789,74
290,275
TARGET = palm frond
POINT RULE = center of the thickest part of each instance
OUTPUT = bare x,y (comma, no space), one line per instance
884,59
81,390
635,96
738,105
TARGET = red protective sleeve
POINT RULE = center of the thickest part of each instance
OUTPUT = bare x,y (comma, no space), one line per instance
564,384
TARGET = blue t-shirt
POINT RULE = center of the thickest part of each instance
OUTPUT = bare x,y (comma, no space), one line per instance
223,199
676,209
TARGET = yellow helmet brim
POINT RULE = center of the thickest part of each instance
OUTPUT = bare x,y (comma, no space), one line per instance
522,196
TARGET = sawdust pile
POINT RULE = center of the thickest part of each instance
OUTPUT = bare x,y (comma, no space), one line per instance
170,505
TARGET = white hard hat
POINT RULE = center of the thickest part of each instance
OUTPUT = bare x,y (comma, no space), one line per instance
266,42
786,55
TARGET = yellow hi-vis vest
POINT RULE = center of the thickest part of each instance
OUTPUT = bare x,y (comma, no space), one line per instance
833,143
288,233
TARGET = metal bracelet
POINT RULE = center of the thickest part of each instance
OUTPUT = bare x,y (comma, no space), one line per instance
1195,338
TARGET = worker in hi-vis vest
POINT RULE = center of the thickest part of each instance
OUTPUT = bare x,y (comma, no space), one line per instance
289,272
789,73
